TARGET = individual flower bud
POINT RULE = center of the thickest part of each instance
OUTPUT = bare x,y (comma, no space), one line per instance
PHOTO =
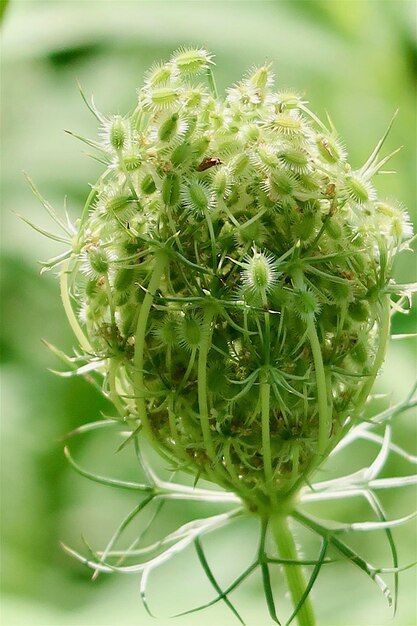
261,77
358,311
147,184
166,330
304,226
329,148
249,133
259,273
168,128
239,165
97,263
116,203
158,74
200,145
117,132
194,97
295,159
196,197
358,189
265,158
339,292
288,100
251,233
333,228
159,98
306,303
91,288
221,181
396,220
189,332
171,189
191,60
124,277
181,153
132,161
281,185
288,124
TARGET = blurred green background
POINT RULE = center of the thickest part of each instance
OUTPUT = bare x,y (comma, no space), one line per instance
355,59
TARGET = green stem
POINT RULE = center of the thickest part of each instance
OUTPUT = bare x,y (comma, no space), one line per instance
265,390
212,83
139,356
128,178
324,417
113,392
212,240
362,397
76,328
202,383
189,368
294,574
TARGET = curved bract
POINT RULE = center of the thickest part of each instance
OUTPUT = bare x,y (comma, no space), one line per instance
232,273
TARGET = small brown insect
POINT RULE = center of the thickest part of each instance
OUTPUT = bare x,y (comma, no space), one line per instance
207,163
330,189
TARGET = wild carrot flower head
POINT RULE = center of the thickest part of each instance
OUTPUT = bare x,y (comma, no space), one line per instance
230,286
229,239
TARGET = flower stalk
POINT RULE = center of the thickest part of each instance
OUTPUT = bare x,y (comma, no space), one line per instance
296,582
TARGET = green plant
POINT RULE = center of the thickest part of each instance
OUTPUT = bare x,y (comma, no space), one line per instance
230,286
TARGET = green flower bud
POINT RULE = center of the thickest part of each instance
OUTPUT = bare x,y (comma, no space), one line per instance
304,226
124,278
147,185
191,60
359,311
333,228
160,98
196,197
166,330
295,159
357,189
306,304
171,189
240,271
181,153
132,161
329,148
168,128
260,272
97,260
189,332
117,133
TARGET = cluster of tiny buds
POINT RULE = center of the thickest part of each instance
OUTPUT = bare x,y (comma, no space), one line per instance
233,273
